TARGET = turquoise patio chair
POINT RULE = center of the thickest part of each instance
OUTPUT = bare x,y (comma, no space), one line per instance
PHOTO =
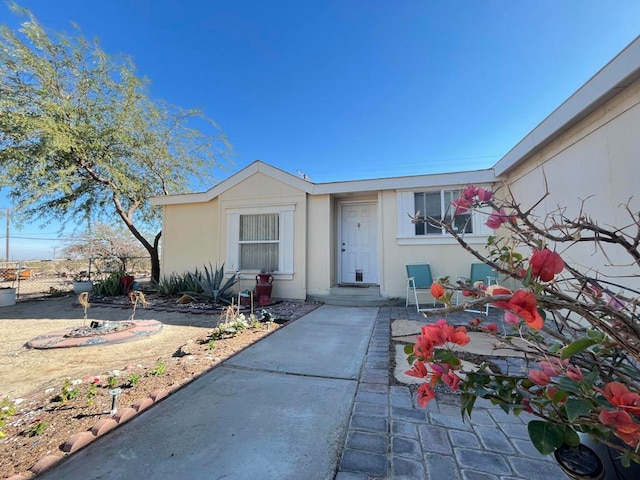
419,279
480,272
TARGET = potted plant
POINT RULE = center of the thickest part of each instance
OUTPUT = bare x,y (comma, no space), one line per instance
7,296
82,282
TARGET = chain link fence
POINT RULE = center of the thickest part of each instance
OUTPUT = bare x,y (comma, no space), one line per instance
33,279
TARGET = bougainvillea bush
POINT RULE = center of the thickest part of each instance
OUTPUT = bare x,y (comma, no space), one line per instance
579,323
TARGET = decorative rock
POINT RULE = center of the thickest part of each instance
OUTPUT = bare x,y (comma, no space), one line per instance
158,395
77,441
103,426
17,477
184,299
125,414
44,463
142,404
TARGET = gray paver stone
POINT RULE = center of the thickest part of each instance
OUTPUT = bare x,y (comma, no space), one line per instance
372,388
441,467
368,442
473,475
404,429
494,439
536,469
369,463
408,414
351,476
449,421
370,397
464,439
482,461
481,417
403,468
515,430
400,401
434,439
406,447
525,447
371,409
371,424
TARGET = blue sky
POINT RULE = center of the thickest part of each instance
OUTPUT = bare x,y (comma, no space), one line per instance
345,89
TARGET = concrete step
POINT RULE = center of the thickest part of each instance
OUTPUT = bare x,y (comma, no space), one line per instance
355,290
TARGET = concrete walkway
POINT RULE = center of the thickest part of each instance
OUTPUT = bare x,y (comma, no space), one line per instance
312,401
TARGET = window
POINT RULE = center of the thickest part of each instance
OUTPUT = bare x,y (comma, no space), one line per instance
260,237
437,205
259,242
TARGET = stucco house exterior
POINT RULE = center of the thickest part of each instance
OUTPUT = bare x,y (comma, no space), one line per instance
315,236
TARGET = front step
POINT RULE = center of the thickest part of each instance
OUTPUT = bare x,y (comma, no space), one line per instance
361,295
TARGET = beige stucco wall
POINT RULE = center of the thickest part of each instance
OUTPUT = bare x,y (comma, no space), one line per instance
190,237
445,255
597,160
196,234
319,244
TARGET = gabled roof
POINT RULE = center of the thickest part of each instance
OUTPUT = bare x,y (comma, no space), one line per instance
614,77
353,186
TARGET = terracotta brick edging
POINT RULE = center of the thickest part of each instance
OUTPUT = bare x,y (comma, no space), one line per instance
102,426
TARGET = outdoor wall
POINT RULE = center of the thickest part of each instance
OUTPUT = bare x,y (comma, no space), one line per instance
597,160
444,254
261,191
190,237
319,244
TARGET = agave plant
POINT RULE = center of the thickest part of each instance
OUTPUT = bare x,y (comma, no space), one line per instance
213,284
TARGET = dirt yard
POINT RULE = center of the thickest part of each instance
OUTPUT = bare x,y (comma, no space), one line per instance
34,379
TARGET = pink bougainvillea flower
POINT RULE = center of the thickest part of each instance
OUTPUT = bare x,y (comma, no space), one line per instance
451,380
418,369
469,192
461,205
423,348
614,302
511,318
437,290
545,264
484,195
620,396
491,328
524,304
496,220
424,395
551,368
574,373
460,337
539,378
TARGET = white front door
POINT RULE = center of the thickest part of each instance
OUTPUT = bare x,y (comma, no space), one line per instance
359,244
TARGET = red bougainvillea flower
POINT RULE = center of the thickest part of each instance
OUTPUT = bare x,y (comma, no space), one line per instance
424,395
524,304
539,378
423,348
625,427
418,370
451,380
496,290
491,328
620,396
545,264
437,290
552,367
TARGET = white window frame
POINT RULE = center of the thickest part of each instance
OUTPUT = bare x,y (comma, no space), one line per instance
407,230
285,244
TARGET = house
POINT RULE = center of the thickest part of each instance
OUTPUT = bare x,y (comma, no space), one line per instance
315,236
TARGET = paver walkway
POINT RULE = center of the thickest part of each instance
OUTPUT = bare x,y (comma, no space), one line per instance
389,437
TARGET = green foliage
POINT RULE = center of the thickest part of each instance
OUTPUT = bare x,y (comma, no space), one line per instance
211,345
112,381
175,284
7,409
80,139
160,368
56,292
213,286
36,428
133,380
110,286
68,391
91,393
